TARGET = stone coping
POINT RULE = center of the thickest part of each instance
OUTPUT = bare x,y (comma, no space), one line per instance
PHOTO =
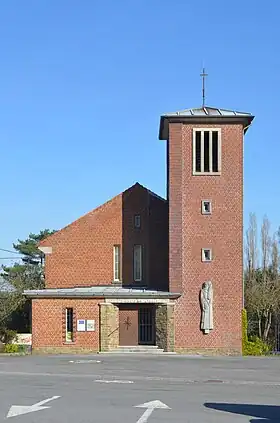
102,292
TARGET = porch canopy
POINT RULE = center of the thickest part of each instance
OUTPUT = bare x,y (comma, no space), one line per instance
107,292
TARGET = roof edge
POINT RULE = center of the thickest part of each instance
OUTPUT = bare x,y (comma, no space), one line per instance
45,293
165,120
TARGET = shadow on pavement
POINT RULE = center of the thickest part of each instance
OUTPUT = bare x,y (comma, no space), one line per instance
267,413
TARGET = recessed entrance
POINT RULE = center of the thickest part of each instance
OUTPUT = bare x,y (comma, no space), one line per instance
136,325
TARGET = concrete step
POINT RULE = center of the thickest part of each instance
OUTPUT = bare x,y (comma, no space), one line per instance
140,349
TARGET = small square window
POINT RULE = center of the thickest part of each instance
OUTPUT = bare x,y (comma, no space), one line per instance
206,207
206,254
137,221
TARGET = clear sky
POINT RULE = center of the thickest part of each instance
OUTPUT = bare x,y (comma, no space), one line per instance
83,85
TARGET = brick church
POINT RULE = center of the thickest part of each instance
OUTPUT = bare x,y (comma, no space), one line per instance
141,271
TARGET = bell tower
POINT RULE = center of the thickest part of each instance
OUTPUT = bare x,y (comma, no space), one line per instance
205,193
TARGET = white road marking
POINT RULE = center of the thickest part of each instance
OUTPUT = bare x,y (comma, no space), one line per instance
16,410
167,379
150,406
113,381
84,361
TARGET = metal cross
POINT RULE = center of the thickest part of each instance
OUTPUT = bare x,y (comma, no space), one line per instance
203,75
127,322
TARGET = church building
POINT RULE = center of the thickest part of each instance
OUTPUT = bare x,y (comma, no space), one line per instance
145,273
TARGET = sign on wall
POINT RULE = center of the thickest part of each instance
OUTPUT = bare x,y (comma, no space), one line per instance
81,325
23,339
90,325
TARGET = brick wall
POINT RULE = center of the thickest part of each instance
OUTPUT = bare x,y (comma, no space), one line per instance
135,202
158,243
82,253
153,236
222,231
175,177
48,325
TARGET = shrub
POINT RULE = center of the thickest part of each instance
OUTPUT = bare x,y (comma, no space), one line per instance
23,348
254,345
11,348
244,331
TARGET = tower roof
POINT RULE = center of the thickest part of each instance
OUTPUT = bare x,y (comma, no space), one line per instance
203,115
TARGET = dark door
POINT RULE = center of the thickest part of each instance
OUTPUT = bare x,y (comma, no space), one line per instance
128,325
147,325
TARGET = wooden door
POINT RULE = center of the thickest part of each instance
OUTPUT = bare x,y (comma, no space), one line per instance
128,324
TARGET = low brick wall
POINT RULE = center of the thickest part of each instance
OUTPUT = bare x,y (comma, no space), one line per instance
209,351
71,349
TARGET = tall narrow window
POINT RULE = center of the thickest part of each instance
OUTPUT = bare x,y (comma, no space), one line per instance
137,221
69,325
137,263
117,263
206,151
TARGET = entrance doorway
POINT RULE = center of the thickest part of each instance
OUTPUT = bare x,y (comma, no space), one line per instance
136,325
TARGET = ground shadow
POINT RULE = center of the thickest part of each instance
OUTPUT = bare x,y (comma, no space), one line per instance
267,413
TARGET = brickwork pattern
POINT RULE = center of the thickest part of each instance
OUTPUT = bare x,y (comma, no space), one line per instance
222,231
158,244
49,329
175,192
135,201
82,253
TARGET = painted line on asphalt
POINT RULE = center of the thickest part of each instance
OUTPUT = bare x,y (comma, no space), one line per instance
142,378
84,361
113,381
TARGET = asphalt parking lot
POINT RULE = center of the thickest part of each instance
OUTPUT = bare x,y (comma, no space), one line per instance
107,388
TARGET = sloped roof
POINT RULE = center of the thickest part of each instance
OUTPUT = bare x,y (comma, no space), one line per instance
203,115
47,241
207,111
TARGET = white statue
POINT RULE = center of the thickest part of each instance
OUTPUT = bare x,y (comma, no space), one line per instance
206,301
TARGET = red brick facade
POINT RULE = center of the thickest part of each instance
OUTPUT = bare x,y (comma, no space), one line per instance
172,235
82,253
190,231
48,325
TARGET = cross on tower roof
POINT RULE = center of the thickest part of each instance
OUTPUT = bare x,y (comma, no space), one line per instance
203,75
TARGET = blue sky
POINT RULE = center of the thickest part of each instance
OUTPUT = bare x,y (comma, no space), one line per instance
83,84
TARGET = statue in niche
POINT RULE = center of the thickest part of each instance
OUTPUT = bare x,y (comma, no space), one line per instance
206,301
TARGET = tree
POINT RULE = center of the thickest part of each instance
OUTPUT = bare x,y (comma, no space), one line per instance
27,274
29,247
262,282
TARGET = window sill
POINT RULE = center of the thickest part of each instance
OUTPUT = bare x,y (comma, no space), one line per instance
207,173
69,343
